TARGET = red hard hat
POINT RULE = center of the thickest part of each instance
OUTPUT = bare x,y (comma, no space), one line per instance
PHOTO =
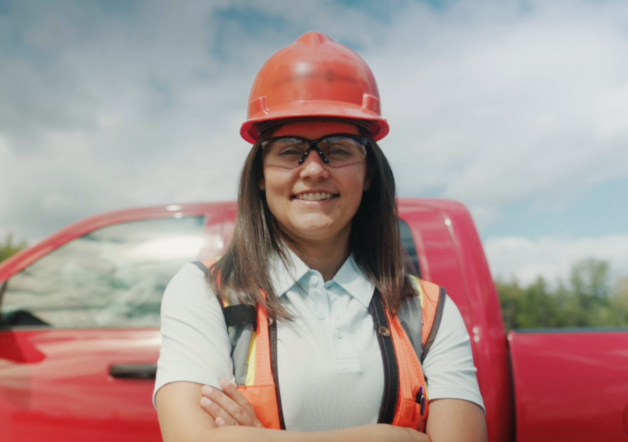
314,77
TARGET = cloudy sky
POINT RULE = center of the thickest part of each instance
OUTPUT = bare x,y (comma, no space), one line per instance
519,109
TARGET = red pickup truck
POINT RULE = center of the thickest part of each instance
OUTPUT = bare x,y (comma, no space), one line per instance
79,334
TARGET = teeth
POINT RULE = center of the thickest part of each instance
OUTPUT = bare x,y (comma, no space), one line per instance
314,196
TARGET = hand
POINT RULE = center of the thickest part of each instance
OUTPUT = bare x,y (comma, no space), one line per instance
229,406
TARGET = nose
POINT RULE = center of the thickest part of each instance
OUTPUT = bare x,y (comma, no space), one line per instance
314,167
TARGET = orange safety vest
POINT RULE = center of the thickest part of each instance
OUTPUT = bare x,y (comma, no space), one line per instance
405,402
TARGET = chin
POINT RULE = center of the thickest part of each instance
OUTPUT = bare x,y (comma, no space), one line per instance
312,228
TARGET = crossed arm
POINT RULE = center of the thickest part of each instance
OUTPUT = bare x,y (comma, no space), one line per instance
185,417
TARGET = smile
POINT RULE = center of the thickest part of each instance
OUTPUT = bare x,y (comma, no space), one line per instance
318,196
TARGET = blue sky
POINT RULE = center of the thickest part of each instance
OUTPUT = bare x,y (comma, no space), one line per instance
519,109
595,211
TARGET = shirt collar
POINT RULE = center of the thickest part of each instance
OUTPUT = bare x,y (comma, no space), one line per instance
283,275
350,278
354,282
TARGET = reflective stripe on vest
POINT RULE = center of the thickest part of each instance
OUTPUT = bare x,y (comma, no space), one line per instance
405,402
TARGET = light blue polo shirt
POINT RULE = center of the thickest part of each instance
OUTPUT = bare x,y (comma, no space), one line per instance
330,366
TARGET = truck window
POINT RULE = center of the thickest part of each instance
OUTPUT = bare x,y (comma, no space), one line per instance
113,277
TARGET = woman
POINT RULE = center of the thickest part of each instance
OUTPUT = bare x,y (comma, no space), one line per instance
317,250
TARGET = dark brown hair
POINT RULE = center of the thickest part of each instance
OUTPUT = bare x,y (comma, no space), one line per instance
374,241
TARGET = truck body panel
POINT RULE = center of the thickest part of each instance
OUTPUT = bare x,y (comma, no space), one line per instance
62,384
57,384
450,247
570,386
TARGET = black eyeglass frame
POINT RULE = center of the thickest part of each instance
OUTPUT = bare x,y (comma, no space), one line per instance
313,144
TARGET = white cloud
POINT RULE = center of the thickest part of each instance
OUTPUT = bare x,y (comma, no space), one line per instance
114,112
489,102
552,257
492,106
101,110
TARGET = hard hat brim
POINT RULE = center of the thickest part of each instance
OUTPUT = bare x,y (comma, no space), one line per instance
334,109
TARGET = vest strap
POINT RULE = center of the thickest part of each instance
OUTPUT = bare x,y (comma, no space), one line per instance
273,355
391,368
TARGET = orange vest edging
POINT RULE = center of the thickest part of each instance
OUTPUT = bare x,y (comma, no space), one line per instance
413,407
263,395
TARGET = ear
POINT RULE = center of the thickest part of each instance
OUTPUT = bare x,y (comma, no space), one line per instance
262,185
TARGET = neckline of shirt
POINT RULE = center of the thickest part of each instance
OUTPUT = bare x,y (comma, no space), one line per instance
350,278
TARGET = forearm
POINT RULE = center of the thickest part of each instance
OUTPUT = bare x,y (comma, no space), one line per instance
183,420
366,433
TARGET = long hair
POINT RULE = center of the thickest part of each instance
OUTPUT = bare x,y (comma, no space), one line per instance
374,241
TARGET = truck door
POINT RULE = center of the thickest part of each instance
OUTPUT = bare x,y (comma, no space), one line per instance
570,385
80,336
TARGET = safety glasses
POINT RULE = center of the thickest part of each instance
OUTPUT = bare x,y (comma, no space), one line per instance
337,150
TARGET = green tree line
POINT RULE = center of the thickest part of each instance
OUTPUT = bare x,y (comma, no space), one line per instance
9,247
589,298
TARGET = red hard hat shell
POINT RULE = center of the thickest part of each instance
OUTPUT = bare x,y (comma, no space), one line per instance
314,77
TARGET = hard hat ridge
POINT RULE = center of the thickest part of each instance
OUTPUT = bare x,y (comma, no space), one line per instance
314,77
313,39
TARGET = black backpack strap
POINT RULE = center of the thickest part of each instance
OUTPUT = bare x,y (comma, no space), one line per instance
241,321
236,314
240,314
391,368
201,266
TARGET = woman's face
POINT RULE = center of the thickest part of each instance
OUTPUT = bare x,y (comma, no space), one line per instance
287,190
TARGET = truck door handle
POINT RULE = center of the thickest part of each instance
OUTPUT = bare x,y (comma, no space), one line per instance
133,371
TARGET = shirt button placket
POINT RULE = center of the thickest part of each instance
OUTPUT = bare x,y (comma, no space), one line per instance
319,296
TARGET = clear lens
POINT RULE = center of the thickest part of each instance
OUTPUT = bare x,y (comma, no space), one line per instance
342,150
339,150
